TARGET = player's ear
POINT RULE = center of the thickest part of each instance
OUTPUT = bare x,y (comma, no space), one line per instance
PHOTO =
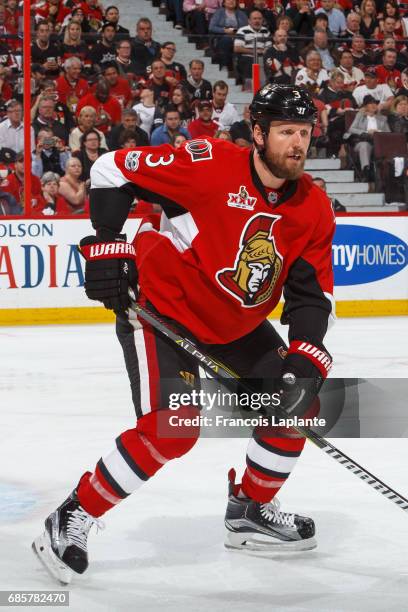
258,136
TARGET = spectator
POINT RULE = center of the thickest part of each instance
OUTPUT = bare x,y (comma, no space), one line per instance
199,13
180,99
12,128
360,134
203,126
112,16
175,13
280,60
320,44
73,45
336,101
223,135
94,14
61,112
127,67
104,51
157,81
387,73
129,139
284,22
78,15
322,22
45,52
241,131
362,59
52,11
171,125
72,188
353,21
119,87
145,49
389,43
8,204
37,79
175,72
388,27
224,113
337,21
70,87
86,120
129,123
197,87
252,36
50,155
108,109
302,17
177,140
47,117
369,26
225,22
390,9
403,91
14,184
50,201
398,118
352,76
6,93
146,110
268,11
89,152
381,92
337,207
313,74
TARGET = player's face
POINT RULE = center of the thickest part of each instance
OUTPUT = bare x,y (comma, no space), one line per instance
285,148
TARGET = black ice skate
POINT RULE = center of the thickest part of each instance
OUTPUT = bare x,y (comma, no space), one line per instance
264,527
62,548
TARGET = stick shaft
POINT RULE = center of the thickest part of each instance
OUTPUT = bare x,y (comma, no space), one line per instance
220,370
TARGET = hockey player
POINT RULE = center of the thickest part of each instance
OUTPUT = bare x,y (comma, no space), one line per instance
238,226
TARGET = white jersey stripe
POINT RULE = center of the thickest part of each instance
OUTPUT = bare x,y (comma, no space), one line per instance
105,172
268,459
121,472
145,401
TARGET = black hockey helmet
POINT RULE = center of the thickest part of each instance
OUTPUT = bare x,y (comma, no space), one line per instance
275,102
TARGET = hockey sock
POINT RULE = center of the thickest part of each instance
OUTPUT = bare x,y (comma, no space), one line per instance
139,453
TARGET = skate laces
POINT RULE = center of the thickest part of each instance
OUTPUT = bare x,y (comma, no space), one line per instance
271,511
79,524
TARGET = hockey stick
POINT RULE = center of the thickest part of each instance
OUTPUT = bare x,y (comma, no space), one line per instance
221,371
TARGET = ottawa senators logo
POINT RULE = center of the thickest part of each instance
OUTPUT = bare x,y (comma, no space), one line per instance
257,265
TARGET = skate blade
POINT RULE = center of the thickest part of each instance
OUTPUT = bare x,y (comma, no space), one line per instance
54,566
251,543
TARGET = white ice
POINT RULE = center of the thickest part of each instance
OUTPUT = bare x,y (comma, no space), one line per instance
65,397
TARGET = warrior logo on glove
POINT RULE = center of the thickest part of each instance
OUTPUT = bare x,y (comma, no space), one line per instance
257,265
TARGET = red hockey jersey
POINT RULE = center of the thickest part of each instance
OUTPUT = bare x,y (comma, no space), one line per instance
226,248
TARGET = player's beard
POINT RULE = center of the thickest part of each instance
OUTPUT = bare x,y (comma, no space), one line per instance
281,167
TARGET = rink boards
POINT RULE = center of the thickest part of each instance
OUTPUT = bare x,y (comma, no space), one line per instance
42,273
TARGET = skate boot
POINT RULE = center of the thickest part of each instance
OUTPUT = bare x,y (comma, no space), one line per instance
62,548
256,526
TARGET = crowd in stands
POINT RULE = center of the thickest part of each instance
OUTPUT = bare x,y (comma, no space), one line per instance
98,86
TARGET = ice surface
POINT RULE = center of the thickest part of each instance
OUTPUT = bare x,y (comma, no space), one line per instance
63,399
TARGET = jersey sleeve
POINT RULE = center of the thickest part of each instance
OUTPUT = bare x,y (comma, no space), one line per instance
308,290
160,175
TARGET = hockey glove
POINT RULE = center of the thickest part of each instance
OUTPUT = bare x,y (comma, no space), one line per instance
304,370
110,269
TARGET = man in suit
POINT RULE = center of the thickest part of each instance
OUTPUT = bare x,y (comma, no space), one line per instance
366,122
